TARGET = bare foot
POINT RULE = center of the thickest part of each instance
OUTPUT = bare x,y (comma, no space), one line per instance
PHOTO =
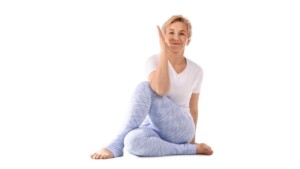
203,148
102,154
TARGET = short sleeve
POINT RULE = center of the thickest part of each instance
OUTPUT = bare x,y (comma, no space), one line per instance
151,64
198,81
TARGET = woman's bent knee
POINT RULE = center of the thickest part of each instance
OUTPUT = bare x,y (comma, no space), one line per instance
132,141
143,86
136,142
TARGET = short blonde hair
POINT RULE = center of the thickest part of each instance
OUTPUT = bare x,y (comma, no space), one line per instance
178,18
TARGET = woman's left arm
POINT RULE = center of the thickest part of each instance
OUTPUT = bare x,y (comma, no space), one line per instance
194,111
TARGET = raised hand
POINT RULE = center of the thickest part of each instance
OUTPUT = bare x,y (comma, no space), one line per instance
163,45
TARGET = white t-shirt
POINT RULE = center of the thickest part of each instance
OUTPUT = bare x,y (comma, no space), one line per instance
182,85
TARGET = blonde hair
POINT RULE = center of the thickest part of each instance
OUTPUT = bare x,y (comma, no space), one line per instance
178,18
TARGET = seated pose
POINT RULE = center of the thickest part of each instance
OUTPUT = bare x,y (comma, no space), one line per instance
163,114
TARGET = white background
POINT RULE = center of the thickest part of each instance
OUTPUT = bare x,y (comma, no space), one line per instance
68,68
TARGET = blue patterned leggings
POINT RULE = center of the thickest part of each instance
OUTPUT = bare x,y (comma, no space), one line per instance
168,131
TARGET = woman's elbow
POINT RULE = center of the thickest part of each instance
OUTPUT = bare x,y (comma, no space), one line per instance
162,92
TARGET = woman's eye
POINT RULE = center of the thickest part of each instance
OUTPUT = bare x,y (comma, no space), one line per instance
181,34
171,33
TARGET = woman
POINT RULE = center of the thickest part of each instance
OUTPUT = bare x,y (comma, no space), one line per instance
163,113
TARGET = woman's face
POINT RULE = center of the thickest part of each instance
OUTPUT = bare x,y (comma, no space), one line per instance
177,36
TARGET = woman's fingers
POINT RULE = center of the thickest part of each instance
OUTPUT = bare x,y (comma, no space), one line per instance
161,36
163,44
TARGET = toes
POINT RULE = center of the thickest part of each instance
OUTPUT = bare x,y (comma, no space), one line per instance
99,156
93,156
204,149
96,156
105,156
209,151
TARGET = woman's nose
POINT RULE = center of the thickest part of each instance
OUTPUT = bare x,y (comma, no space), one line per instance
176,37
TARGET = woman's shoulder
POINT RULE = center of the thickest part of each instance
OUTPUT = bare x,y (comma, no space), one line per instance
195,66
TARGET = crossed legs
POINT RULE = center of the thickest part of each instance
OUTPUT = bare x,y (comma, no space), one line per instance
169,138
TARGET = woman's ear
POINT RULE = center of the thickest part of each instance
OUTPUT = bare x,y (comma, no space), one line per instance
188,42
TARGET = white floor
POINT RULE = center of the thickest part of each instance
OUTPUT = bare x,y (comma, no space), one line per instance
232,153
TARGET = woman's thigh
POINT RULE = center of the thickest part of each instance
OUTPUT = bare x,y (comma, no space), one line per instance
170,122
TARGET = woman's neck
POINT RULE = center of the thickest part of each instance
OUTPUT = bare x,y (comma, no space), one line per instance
177,59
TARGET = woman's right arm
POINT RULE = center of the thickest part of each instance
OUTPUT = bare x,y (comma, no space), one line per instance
159,79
